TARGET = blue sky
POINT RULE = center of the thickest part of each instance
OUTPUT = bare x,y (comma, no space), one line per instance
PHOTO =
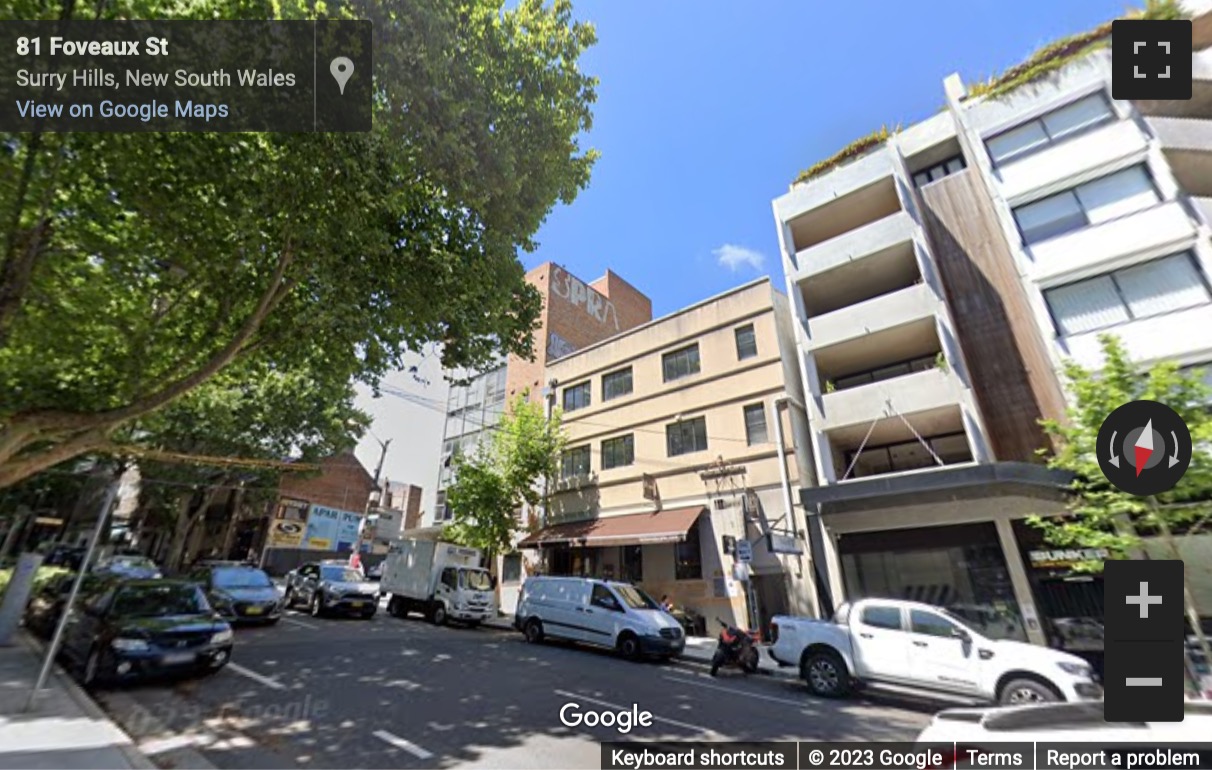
706,111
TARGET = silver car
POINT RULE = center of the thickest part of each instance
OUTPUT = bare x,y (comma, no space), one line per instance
331,588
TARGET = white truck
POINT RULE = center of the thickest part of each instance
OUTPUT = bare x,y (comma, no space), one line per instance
440,580
921,647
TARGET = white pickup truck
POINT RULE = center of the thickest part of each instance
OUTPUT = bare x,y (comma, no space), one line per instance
907,644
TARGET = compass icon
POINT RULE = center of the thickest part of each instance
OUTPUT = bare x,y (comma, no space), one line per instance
1144,448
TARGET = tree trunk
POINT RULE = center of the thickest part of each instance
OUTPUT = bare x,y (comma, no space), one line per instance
186,520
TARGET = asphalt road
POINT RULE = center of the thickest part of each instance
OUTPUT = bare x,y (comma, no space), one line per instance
391,693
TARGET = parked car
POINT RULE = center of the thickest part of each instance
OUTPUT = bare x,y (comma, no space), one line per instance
331,587
132,629
46,605
127,566
974,732
909,644
62,555
239,592
599,612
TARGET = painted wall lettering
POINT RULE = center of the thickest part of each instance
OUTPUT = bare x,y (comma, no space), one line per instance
573,289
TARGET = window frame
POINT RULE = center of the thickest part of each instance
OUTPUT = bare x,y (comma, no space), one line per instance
746,410
751,330
568,470
951,624
1050,141
584,389
900,617
606,396
671,356
1189,254
943,165
692,546
1072,192
628,444
681,427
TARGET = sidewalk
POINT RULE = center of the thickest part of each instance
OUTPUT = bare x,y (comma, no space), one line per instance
66,729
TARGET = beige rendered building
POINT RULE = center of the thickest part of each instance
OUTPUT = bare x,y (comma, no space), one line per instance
683,436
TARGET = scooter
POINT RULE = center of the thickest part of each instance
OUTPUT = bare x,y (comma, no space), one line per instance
735,647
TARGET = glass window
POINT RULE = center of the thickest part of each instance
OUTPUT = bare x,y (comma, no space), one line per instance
635,598
576,396
686,436
1017,142
955,164
157,600
1117,194
241,577
602,597
930,624
450,578
632,567
881,616
575,462
511,568
1050,217
618,452
938,171
688,556
1076,116
1086,305
921,178
340,574
616,384
755,424
746,343
680,363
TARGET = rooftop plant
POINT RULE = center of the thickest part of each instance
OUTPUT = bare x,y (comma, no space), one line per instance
855,149
1056,55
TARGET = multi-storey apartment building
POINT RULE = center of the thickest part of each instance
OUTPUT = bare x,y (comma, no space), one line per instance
939,281
574,314
681,433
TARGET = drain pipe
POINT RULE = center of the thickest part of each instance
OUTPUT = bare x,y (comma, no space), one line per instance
779,403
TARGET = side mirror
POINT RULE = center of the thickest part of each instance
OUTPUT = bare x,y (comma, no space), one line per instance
961,634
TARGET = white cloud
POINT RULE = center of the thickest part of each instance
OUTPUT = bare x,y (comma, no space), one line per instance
735,257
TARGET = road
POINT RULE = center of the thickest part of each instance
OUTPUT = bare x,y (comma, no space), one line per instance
391,693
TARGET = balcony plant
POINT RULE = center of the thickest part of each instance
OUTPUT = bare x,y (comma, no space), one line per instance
940,363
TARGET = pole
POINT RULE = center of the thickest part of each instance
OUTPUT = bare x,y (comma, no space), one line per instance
53,650
382,457
551,399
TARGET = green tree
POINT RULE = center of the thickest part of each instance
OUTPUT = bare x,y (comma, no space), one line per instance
257,414
1100,515
493,482
135,267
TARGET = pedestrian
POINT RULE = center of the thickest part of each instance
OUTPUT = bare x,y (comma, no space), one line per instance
666,604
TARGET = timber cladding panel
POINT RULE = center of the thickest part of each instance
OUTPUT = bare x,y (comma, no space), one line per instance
1006,355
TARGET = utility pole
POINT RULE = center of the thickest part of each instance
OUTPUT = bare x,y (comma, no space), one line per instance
382,456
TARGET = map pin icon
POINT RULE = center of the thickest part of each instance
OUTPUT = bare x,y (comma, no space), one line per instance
342,69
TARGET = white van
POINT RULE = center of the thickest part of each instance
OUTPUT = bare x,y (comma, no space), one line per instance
599,612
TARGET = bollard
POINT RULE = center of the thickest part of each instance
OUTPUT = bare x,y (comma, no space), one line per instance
17,595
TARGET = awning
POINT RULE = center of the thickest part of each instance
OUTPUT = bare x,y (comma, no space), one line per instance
633,529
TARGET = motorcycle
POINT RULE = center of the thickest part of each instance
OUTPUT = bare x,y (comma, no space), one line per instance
737,647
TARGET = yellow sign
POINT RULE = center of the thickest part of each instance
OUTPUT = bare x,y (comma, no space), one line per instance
285,533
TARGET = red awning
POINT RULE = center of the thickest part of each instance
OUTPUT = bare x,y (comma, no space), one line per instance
633,529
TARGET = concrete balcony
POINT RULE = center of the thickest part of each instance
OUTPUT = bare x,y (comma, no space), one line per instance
1187,144
1204,206
1200,103
848,178
920,392
1093,250
873,317
869,240
1069,163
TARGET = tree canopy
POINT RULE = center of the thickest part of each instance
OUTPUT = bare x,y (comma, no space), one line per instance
136,267
493,482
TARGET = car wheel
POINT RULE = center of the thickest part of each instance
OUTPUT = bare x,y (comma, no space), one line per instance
826,675
749,664
437,615
473,624
1021,692
717,660
368,615
629,647
534,631
317,605
288,598
395,607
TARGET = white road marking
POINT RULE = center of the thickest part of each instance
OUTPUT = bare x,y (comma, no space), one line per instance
272,684
732,691
161,745
707,731
294,622
400,743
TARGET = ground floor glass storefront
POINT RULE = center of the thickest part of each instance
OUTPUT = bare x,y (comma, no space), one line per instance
960,568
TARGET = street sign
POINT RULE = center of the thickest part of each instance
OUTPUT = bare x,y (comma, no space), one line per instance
776,543
729,545
744,551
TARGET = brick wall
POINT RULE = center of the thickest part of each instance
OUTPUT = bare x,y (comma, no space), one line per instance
575,314
343,483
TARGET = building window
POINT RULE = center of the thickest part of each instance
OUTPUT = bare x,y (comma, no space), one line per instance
939,170
576,397
1042,132
680,363
746,343
686,436
1092,203
616,384
631,567
755,424
617,452
951,448
688,556
881,616
575,463
1153,288
511,568
900,369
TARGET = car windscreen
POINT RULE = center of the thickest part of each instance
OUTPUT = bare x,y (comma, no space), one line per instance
134,561
237,577
637,600
340,574
477,580
154,601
